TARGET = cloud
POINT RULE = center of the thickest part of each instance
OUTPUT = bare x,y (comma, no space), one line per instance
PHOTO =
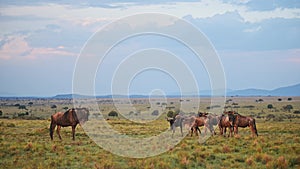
15,47
230,31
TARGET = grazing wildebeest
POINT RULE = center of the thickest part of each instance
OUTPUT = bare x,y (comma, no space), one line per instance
206,120
176,122
71,117
212,121
244,121
198,122
226,120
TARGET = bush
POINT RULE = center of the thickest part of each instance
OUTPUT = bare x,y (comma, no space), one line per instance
279,99
249,106
297,112
53,106
270,106
113,114
22,107
170,114
155,113
287,107
289,99
1,112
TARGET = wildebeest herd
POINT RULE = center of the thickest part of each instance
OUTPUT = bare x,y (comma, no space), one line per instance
229,119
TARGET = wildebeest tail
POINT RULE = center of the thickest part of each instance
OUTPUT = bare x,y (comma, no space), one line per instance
254,126
51,128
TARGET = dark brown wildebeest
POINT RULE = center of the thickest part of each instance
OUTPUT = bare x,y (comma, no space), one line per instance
71,117
245,121
226,120
198,122
206,120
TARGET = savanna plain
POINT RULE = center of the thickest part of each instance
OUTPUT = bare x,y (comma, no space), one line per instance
25,140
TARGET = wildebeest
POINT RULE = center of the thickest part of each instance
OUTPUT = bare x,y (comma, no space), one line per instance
206,120
244,121
213,120
198,122
226,120
71,117
176,122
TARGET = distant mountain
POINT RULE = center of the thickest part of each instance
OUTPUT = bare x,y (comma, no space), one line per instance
293,90
282,91
287,91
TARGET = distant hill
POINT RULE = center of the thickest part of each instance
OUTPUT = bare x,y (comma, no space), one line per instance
282,91
293,90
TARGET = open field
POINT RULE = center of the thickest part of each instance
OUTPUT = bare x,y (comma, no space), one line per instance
26,143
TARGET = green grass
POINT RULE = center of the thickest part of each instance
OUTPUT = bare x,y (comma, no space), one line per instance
26,143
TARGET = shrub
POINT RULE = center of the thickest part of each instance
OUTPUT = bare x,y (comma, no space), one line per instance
113,114
1,112
279,99
249,106
22,107
297,112
270,106
155,113
170,114
287,108
53,106
289,99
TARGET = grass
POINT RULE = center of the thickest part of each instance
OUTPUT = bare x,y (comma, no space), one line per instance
26,143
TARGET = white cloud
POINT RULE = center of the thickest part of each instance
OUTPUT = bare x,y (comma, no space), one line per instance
202,9
259,16
17,47
253,29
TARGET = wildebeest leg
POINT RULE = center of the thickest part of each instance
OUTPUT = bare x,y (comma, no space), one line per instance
52,128
173,131
73,131
224,131
197,128
57,131
236,131
211,129
181,130
230,131
221,130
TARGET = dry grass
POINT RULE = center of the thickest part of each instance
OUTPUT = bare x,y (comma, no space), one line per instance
26,143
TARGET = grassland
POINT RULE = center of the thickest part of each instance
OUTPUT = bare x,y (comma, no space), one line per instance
26,143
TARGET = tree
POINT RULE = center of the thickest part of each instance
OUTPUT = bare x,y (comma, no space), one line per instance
270,106
53,106
113,114
289,99
1,112
30,104
66,108
279,99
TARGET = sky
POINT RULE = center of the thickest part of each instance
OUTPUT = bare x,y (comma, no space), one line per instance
257,42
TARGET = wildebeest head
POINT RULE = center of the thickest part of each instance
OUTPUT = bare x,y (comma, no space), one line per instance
82,114
171,121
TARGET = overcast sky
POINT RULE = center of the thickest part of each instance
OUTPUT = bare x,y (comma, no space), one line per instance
258,43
